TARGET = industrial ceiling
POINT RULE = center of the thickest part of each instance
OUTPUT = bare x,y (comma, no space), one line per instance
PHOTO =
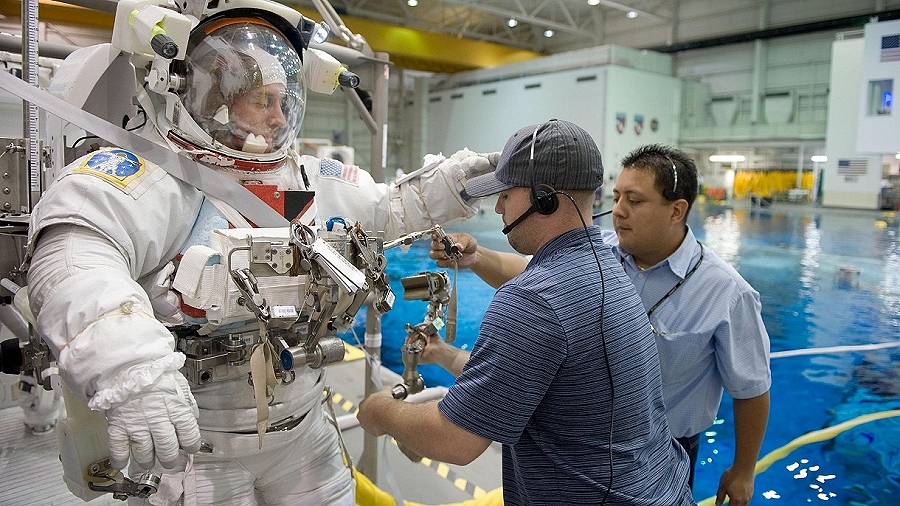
454,35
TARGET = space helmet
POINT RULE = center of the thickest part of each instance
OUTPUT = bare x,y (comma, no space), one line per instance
243,97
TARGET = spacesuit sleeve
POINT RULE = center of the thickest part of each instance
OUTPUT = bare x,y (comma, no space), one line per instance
424,198
96,319
90,241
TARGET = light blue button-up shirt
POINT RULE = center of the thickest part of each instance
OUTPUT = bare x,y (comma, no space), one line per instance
710,334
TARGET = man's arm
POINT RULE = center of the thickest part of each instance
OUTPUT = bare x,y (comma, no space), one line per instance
437,351
494,267
421,428
750,419
427,196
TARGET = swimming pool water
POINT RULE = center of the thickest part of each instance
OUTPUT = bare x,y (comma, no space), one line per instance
827,278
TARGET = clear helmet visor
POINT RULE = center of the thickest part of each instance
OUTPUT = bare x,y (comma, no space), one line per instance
244,87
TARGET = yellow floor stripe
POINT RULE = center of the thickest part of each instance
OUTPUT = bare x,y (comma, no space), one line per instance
440,468
352,353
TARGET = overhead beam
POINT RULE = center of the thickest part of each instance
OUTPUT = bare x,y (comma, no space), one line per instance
627,8
409,48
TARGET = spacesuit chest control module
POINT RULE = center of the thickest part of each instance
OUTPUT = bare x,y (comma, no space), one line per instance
302,286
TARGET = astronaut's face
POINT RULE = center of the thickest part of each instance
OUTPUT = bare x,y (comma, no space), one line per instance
257,117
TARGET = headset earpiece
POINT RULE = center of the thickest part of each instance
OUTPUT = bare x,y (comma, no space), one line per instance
673,193
544,199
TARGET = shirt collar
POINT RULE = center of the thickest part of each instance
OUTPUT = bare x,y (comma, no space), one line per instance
678,262
566,239
682,259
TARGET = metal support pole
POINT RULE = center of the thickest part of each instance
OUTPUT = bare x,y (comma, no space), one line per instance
368,462
30,75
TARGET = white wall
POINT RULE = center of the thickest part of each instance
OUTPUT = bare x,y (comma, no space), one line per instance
638,94
842,190
483,116
791,73
879,129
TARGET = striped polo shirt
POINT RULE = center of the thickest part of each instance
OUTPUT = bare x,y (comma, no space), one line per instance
565,364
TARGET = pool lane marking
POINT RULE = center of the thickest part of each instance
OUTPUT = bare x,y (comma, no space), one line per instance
834,349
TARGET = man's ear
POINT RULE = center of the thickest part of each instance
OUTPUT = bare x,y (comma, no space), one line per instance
679,210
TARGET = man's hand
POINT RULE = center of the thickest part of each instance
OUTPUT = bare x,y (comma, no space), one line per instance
467,246
437,351
738,487
433,344
371,407
154,423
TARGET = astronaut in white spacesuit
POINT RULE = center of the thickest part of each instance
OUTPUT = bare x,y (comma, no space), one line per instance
105,243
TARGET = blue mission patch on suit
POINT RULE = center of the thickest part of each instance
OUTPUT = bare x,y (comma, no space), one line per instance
118,166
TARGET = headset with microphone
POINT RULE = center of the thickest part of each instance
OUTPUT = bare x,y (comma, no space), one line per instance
544,198
673,193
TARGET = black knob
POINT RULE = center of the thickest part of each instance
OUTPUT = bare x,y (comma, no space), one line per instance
164,46
347,78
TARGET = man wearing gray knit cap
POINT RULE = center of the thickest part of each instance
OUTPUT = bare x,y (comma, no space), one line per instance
564,372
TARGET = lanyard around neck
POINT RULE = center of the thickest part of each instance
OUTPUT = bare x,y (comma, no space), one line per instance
677,285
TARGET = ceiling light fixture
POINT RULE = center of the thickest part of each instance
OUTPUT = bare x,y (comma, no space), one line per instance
631,14
512,22
593,2
548,33
727,158
819,158
412,3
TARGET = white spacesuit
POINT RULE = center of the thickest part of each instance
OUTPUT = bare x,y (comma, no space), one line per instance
105,244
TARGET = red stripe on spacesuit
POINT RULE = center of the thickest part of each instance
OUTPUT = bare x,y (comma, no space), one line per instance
269,194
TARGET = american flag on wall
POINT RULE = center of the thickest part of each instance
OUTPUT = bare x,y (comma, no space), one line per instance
852,166
890,48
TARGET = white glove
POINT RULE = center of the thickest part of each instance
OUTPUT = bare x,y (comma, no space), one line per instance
472,164
153,423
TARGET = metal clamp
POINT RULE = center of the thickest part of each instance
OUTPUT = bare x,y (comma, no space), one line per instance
102,477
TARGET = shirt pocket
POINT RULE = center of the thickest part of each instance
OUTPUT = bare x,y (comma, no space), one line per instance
683,355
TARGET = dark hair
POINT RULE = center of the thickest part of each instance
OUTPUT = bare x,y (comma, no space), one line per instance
661,160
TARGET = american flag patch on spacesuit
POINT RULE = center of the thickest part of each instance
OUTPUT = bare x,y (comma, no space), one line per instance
335,169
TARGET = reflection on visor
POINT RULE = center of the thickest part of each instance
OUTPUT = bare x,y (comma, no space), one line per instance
245,88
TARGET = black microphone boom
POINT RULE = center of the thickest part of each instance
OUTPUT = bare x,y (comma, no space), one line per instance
507,229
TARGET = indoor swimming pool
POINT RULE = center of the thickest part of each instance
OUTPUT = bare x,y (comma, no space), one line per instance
829,281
